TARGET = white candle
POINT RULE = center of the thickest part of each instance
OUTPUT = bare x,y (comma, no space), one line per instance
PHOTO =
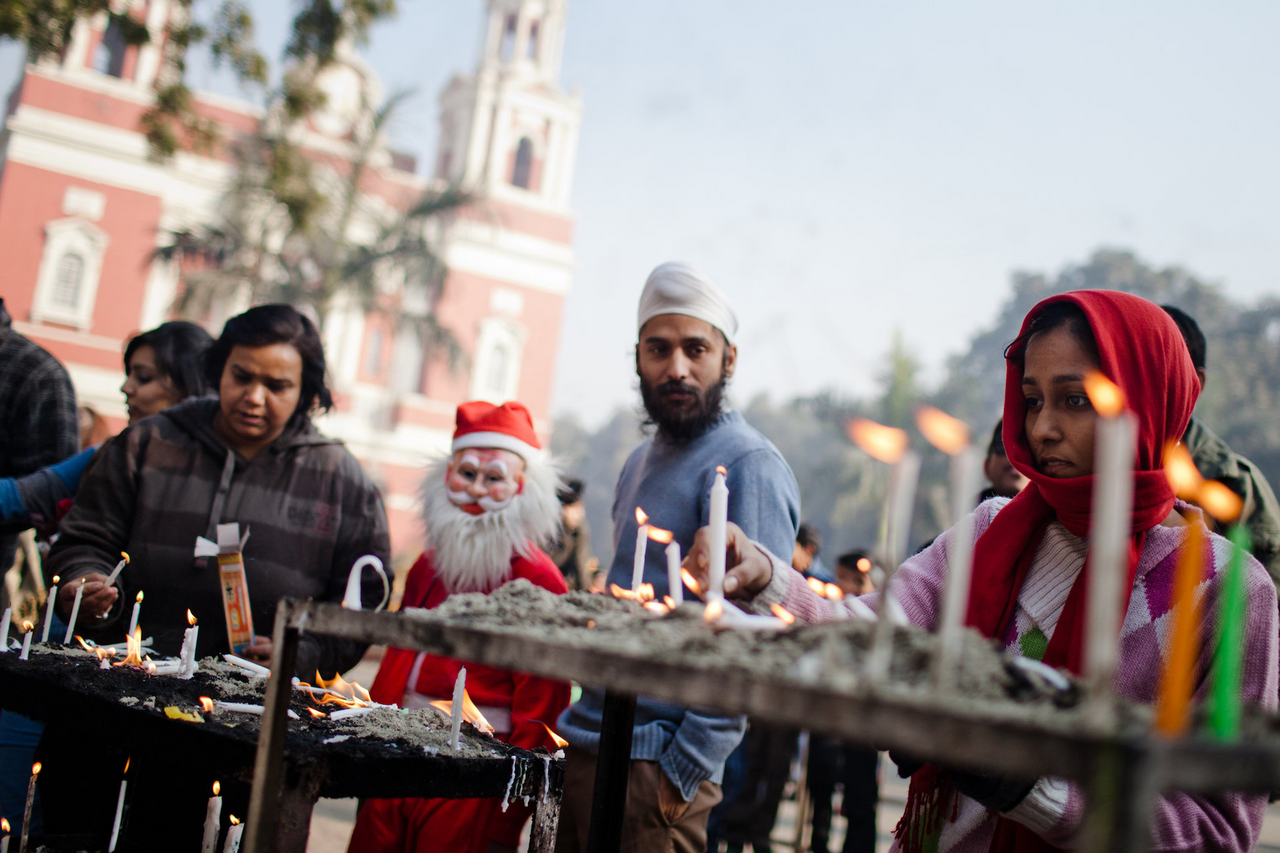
28,630
351,600
250,666
115,573
675,585
232,844
243,708
1115,447
902,498
212,821
75,612
718,520
459,692
190,638
4,637
349,712
4,842
48,613
966,480
642,546
115,826
133,620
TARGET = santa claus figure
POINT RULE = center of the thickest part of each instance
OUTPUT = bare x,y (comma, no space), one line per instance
486,506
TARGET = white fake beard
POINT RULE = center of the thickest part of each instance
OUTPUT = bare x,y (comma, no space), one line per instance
472,553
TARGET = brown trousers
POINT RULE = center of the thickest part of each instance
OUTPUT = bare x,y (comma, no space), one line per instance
644,828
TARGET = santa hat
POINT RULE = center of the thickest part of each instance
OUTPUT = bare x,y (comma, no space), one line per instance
506,427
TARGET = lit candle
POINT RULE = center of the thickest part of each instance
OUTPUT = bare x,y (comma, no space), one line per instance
115,573
133,620
642,545
951,436
459,691
1115,445
26,814
718,520
675,584
75,612
889,445
234,832
48,613
4,634
27,630
1228,658
1176,684
212,821
188,656
4,842
115,826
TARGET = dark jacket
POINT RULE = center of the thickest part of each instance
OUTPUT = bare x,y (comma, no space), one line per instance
169,478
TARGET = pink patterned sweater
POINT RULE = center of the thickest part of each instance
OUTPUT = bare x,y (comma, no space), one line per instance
1054,808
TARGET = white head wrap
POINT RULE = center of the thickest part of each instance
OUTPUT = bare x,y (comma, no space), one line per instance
676,288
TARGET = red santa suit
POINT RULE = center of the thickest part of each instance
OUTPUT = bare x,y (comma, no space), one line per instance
456,825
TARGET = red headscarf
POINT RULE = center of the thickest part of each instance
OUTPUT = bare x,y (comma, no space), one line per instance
1141,350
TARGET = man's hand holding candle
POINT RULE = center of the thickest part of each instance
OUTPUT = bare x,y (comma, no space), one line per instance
98,597
747,568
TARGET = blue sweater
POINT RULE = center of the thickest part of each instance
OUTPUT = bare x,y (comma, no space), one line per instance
672,483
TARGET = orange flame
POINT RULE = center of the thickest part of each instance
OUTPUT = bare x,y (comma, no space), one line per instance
351,694
641,516
643,594
56,578
207,704
720,469
713,611
669,601
834,592
782,613
126,764
139,597
948,434
1107,398
690,581
35,769
1181,471
315,713
886,444
560,742
817,586
83,644
133,646
191,620
125,554
235,821
657,607
27,627
4,825
217,788
470,712
662,537
864,565
1219,501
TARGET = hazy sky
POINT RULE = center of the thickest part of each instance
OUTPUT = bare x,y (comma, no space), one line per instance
844,168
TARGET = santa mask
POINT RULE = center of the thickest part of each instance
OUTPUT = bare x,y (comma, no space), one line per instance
484,479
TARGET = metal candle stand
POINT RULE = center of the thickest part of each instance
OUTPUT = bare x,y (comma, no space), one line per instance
1122,775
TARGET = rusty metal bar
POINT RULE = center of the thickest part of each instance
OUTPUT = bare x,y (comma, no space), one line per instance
264,831
613,768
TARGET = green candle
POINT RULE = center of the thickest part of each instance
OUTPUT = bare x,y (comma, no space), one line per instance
1224,699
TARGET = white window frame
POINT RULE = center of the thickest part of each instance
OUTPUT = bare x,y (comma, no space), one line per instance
496,332
62,236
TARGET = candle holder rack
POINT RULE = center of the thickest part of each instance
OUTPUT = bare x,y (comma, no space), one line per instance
1122,773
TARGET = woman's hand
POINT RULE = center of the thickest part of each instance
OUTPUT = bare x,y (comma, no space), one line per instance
747,569
97,601
260,649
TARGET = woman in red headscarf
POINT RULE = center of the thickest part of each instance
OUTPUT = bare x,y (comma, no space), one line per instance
1029,587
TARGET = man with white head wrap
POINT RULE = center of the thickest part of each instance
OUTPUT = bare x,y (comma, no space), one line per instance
685,356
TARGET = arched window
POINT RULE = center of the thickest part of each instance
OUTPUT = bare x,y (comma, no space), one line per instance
531,49
523,167
496,379
509,37
66,287
108,58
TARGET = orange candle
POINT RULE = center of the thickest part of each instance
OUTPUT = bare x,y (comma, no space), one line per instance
1176,685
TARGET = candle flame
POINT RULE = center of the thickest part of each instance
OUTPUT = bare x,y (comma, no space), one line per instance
643,594
103,654
720,469
207,704
470,713
690,581
191,620
880,442
35,769
125,554
948,434
139,597
1181,471
662,537
133,646
657,607
864,565
235,821
818,587
126,764
1107,398
834,592
1219,501
55,579
782,613
349,693
217,788
669,601
560,742
4,825
714,610
641,516
83,644
27,626
315,713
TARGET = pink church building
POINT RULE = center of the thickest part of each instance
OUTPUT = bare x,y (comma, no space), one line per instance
83,209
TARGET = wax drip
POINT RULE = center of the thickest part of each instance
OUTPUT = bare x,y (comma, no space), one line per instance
506,797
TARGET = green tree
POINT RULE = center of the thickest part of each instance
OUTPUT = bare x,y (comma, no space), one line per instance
899,382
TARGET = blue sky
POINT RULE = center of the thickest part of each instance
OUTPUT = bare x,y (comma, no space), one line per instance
844,169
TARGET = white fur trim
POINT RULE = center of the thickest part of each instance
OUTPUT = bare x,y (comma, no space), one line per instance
500,440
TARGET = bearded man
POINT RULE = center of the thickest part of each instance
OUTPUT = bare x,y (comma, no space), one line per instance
685,357
485,507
